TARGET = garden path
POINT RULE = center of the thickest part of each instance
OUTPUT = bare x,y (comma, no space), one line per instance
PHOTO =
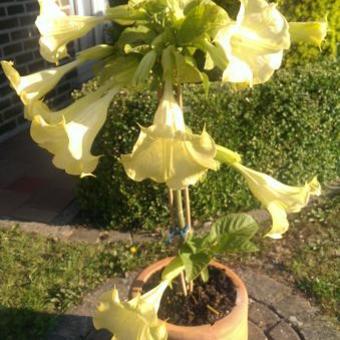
276,312
31,188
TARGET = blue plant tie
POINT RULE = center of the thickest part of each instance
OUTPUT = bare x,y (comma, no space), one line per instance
177,231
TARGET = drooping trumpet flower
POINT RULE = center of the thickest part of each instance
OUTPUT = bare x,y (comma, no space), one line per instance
36,85
278,198
313,32
167,151
141,313
58,29
254,44
71,134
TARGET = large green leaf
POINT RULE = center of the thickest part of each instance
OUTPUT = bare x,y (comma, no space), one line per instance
233,233
194,264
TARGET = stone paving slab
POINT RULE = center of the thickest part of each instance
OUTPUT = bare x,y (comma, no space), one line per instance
286,316
69,233
31,188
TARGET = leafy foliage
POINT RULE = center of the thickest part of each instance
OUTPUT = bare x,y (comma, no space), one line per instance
229,234
288,127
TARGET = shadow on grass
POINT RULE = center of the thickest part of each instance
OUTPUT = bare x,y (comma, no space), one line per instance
26,324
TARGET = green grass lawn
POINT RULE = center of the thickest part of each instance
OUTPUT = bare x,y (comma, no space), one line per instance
40,278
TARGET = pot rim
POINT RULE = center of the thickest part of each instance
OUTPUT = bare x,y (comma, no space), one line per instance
236,313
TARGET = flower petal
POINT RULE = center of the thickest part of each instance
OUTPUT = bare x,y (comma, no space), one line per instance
57,29
70,140
280,222
167,152
36,85
309,32
277,197
227,156
141,312
178,162
254,44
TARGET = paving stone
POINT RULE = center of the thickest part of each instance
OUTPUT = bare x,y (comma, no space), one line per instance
85,235
295,306
283,331
10,201
34,214
262,316
26,169
51,197
11,171
319,330
28,184
71,327
263,288
255,333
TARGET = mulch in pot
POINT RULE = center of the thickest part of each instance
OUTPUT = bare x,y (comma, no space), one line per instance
208,303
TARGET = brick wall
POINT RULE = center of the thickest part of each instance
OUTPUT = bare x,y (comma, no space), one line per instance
19,42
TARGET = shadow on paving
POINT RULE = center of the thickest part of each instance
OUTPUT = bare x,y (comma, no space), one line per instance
31,188
26,324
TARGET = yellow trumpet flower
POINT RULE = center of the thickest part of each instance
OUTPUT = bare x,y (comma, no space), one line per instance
68,134
58,29
254,44
278,198
310,32
167,152
135,319
36,85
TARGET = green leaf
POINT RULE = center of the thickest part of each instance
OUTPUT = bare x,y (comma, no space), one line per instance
168,63
173,269
233,233
204,19
205,275
125,14
186,69
194,264
144,68
136,36
215,55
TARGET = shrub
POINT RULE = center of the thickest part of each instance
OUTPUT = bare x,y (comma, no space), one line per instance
288,127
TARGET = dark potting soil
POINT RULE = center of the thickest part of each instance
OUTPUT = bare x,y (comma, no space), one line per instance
208,302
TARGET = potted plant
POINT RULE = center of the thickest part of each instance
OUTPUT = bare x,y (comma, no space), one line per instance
163,45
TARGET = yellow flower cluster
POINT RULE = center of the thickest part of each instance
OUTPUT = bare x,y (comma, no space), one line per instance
167,152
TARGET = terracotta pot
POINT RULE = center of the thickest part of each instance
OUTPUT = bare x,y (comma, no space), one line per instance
232,327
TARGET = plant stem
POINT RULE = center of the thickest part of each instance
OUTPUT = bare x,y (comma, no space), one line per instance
171,207
180,211
187,208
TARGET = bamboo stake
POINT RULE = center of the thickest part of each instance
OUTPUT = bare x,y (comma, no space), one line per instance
184,286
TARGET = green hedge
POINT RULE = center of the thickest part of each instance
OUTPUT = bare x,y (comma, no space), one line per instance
288,127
